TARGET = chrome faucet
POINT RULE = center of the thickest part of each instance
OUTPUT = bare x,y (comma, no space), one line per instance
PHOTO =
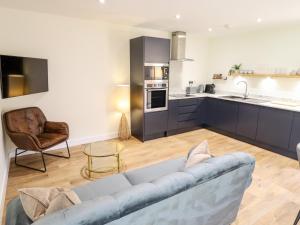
246,90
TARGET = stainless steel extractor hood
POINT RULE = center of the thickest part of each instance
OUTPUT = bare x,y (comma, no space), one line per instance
178,47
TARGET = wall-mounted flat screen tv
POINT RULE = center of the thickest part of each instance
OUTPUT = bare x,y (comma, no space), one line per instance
22,76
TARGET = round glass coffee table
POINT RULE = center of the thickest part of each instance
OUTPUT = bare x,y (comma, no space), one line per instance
102,157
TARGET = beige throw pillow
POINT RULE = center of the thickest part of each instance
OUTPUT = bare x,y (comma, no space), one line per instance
38,202
198,154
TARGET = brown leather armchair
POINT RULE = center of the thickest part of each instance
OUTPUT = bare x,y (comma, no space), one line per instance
29,130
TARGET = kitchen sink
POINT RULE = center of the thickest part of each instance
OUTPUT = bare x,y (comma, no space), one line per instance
250,100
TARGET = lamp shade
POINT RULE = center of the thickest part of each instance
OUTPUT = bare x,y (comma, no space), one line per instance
123,105
122,98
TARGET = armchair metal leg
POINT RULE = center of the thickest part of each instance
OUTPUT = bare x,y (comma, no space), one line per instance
42,155
28,167
61,156
297,218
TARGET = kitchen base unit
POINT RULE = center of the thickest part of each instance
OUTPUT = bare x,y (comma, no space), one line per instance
277,130
185,115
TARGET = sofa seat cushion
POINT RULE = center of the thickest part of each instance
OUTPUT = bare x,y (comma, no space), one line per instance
102,187
152,172
47,140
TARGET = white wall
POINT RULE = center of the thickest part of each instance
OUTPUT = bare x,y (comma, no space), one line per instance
265,50
3,173
183,72
86,60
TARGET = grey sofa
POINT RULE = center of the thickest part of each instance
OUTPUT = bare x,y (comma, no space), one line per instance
208,193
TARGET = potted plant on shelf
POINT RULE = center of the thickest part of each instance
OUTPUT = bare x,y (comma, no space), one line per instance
235,69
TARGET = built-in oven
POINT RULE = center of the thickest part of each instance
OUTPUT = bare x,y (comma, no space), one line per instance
156,71
156,95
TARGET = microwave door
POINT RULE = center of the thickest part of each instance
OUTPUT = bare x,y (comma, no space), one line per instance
158,73
149,73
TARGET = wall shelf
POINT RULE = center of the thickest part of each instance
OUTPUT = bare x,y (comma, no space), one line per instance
255,75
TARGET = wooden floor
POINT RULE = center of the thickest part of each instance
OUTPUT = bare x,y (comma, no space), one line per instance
272,199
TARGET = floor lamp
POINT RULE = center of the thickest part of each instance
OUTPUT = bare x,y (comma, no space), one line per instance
123,107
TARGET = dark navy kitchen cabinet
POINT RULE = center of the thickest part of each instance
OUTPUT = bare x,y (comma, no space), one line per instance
157,50
295,134
247,120
216,113
187,116
172,119
274,127
201,114
156,123
211,112
227,114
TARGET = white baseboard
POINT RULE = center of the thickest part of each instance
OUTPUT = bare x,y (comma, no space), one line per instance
3,192
76,142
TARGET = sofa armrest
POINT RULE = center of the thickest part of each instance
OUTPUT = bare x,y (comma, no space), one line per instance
25,141
56,127
15,214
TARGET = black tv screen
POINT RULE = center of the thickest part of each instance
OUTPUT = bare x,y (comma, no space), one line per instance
23,76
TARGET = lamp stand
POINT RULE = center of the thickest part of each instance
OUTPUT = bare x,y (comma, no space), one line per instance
124,131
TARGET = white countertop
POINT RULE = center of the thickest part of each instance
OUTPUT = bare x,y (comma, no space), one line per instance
271,101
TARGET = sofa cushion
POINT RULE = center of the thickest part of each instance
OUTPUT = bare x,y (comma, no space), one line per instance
97,211
198,154
47,140
174,183
218,166
201,148
38,202
145,194
137,197
152,172
102,187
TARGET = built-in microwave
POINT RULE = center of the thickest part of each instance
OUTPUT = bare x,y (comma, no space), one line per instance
156,71
156,95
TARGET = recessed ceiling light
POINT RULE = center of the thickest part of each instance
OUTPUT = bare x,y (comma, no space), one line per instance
102,1
259,20
178,16
210,29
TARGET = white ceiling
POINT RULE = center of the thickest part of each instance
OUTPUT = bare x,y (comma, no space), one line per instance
196,15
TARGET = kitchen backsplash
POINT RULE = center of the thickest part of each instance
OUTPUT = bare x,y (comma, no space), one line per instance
273,87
